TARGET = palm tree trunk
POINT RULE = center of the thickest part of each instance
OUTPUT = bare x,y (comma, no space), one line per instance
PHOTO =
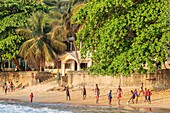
75,47
42,63
40,66
15,61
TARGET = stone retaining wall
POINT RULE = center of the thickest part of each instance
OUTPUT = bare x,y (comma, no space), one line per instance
23,78
159,79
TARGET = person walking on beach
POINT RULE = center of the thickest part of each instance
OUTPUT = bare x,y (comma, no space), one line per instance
31,97
141,89
5,88
11,86
67,94
84,92
149,96
119,95
132,97
136,96
110,97
97,92
145,94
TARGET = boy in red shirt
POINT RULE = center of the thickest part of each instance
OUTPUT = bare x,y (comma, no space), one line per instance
145,94
31,97
149,96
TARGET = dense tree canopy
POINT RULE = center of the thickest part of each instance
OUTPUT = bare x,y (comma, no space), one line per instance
13,14
123,35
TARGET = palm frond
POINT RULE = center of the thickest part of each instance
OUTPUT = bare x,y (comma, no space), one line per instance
58,46
59,31
49,53
34,19
56,14
24,32
30,54
25,46
55,22
77,7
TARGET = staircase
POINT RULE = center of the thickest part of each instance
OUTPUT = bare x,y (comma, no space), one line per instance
48,80
43,86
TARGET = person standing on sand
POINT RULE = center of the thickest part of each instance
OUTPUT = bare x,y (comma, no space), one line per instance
132,97
31,97
119,95
141,89
149,96
97,92
67,94
11,86
84,92
145,94
136,96
110,97
5,87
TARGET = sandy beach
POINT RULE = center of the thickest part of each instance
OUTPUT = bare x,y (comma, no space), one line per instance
50,93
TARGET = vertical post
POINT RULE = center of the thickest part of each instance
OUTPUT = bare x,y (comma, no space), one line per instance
33,80
81,44
63,69
9,69
73,66
78,66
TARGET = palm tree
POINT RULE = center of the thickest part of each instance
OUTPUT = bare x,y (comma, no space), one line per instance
72,29
65,28
40,46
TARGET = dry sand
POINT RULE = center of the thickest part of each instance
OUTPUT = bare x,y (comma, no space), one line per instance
51,93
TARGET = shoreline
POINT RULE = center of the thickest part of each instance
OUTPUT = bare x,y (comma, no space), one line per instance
49,98
133,108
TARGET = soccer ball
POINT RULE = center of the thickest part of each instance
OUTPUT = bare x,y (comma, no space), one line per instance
127,103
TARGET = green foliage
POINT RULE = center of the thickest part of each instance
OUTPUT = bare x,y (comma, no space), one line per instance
122,36
13,14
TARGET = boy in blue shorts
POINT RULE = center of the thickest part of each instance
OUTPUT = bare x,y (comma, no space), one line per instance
110,97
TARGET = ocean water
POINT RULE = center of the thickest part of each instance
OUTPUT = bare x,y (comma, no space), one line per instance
26,107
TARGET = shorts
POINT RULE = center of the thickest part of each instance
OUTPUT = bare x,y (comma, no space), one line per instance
149,98
68,94
109,99
97,97
119,96
136,98
6,90
133,97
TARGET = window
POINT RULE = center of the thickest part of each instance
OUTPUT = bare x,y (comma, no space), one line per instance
67,66
83,65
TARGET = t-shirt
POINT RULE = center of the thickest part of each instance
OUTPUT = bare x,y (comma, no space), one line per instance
110,95
149,93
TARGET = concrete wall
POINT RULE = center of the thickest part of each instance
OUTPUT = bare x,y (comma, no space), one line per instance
24,78
159,79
